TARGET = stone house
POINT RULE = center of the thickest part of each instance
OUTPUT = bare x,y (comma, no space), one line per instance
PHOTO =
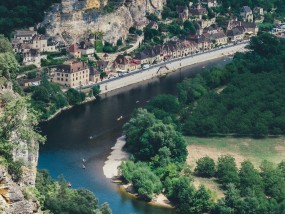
32,57
203,41
246,14
121,62
196,13
72,74
74,51
250,28
94,75
236,34
24,36
183,13
207,23
30,82
86,48
104,66
219,38
210,3
41,43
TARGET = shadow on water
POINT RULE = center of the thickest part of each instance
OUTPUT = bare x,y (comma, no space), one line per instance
68,139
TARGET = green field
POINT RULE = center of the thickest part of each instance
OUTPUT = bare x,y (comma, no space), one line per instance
256,150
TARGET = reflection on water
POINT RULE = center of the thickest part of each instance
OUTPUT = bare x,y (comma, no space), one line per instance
68,139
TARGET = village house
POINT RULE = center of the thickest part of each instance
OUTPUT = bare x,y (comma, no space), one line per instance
197,13
94,75
32,56
34,40
236,34
104,66
183,13
30,82
121,62
210,3
24,36
86,48
203,41
207,23
41,43
219,38
124,63
74,51
250,28
246,14
72,74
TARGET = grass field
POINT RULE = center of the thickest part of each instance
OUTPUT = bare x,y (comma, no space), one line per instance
255,150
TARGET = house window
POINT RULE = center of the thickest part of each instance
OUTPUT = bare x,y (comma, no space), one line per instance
66,80
66,75
58,74
61,79
58,78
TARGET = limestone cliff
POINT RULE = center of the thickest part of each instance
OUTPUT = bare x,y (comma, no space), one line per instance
69,20
18,197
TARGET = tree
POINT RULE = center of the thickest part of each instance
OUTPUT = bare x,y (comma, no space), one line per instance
8,65
41,94
249,178
32,74
205,167
227,171
73,97
5,45
189,27
146,182
96,90
273,181
281,167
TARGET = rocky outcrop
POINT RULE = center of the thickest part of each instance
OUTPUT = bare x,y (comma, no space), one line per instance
12,199
69,21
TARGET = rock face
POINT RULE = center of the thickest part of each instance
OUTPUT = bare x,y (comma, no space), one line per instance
18,197
69,20
12,200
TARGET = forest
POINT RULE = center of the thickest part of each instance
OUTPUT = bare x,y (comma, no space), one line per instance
15,14
243,98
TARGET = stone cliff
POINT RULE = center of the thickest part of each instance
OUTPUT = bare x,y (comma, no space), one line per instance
69,20
18,197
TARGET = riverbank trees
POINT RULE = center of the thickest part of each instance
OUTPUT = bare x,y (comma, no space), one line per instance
57,197
244,98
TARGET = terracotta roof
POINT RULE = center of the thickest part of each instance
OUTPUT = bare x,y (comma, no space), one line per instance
73,48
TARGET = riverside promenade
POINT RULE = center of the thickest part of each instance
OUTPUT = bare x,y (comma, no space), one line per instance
167,67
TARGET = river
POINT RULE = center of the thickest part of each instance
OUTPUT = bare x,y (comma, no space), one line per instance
68,138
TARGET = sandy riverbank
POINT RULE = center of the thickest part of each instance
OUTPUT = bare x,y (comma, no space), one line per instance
114,160
110,170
